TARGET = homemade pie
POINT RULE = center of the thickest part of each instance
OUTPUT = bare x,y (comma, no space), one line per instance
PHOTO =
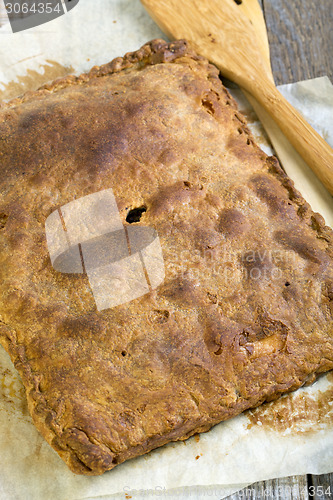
244,311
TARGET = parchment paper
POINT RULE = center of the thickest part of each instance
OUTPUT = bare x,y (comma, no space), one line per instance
291,436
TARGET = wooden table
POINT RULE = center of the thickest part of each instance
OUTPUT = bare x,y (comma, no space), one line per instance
301,43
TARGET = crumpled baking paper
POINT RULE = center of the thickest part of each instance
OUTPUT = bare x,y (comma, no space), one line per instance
291,436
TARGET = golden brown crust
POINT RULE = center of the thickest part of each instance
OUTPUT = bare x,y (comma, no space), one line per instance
154,52
244,313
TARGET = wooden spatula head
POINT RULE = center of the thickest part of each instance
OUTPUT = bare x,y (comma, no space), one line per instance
252,10
220,31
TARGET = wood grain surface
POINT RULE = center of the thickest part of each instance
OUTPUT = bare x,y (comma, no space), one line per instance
286,488
300,33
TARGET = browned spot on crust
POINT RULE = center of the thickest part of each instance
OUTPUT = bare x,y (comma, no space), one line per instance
239,147
232,223
270,191
303,246
220,333
206,238
90,326
257,264
179,289
175,196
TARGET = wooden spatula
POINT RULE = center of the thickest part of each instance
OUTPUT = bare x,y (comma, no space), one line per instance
223,33
252,10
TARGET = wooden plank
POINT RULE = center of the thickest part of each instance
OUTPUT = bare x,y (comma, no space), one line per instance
320,487
300,36
287,488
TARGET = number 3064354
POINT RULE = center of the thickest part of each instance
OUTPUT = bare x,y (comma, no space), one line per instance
33,8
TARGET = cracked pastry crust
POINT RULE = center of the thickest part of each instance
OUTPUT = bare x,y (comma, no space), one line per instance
245,311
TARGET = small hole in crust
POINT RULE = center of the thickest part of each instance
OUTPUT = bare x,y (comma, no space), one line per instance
135,214
3,220
123,353
189,185
240,130
287,283
238,2
208,105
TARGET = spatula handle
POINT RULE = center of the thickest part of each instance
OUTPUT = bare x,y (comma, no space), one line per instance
307,142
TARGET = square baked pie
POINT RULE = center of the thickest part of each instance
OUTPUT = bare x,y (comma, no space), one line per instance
244,310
